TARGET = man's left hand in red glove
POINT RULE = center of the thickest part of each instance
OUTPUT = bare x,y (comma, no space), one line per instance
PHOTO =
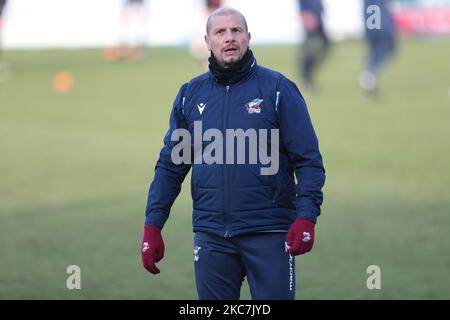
300,237
152,248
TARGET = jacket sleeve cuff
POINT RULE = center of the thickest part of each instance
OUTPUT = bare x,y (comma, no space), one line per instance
307,216
156,219
307,209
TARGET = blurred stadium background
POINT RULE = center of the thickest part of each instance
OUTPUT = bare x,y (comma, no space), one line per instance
80,135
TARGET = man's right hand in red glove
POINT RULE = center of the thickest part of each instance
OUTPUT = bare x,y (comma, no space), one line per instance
152,248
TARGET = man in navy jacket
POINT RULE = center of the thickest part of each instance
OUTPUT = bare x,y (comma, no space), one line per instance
245,131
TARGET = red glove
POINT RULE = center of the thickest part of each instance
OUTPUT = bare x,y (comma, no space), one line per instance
300,237
152,248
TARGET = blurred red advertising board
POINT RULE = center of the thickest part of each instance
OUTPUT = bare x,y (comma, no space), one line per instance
422,18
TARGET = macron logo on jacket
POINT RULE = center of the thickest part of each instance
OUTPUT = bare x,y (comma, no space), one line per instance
201,106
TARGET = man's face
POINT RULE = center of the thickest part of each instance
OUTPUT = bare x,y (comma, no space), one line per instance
228,39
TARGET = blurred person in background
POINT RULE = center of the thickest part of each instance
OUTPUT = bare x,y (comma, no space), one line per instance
212,5
316,44
381,42
248,222
133,32
197,46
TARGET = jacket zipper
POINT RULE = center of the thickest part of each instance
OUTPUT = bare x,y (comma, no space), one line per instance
225,167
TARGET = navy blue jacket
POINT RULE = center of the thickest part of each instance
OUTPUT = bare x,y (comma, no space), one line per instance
233,199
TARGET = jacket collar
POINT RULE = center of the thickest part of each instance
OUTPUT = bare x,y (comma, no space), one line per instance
242,69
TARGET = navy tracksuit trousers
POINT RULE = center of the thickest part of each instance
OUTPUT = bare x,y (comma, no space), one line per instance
221,264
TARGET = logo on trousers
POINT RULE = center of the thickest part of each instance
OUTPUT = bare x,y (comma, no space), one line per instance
196,255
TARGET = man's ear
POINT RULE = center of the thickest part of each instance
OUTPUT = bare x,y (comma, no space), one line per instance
249,38
207,42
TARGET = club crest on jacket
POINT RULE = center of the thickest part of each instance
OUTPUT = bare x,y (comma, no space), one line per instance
254,106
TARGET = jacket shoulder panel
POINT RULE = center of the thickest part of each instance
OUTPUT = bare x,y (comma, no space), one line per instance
269,74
